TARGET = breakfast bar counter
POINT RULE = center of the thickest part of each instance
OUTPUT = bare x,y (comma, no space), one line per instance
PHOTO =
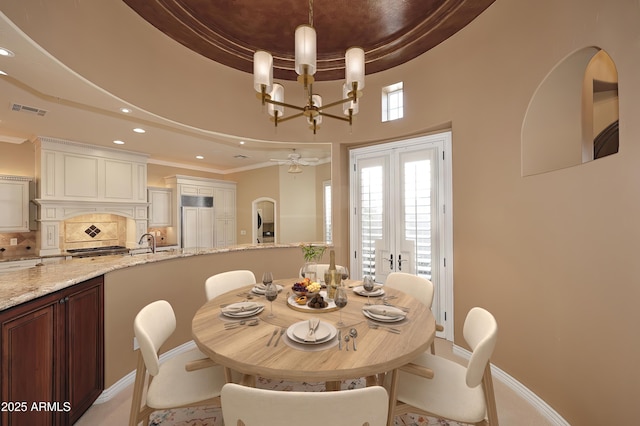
21,286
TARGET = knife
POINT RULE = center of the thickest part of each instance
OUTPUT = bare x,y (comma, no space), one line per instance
339,340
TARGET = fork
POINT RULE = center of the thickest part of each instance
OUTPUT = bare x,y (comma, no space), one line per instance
272,336
384,327
282,330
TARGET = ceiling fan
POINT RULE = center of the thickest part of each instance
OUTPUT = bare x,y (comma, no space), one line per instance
295,159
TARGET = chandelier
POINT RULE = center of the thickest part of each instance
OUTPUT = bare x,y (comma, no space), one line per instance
272,94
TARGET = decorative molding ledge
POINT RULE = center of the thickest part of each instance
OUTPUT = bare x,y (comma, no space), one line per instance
534,400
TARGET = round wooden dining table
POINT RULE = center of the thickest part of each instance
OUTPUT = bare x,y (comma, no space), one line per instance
266,350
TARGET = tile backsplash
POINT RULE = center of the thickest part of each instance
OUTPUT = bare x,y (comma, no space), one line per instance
94,230
26,244
91,230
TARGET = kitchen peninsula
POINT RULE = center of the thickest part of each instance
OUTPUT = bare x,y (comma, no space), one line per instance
123,285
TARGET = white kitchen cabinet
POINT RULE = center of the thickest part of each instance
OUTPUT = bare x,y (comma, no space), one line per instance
160,206
203,190
225,232
225,207
197,227
74,171
14,203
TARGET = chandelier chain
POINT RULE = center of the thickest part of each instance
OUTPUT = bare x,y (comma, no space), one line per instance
311,12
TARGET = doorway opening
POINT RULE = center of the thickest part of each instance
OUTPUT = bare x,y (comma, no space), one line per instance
264,228
401,215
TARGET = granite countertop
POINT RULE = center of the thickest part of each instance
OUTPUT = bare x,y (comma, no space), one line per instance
22,256
20,286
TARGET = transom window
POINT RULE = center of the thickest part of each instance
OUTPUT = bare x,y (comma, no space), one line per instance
392,102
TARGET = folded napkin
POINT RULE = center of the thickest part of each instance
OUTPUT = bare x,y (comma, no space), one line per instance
313,326
241,307
384,310
261,288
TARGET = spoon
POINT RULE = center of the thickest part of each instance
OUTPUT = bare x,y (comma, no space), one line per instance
354,333
346,341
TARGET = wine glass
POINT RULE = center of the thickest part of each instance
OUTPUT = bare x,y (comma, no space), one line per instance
271,291
368,285
341,301
345,273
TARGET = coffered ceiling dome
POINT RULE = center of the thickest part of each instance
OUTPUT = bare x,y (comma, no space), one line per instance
391,32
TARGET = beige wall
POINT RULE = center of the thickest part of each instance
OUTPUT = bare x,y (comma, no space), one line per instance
299,216
18,160
156,174
551,255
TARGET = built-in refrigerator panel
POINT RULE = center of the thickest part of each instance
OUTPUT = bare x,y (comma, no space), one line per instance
197,221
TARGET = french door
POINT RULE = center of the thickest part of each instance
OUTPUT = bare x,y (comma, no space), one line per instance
401,215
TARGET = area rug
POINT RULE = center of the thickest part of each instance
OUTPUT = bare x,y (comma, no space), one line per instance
212,416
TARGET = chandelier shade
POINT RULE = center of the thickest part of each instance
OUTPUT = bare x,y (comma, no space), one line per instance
354,67
262,71
314,117
277,95
350,107
305,39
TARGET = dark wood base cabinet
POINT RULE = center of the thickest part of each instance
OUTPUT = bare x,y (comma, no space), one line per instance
52,348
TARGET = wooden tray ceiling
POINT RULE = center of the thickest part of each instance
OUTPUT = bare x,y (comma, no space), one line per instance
230,31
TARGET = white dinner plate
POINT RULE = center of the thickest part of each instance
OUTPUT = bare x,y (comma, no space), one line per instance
362,292
245,314
260,289
382,318
298,331
252,308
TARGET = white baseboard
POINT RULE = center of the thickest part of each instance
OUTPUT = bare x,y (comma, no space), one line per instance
128,379
521,390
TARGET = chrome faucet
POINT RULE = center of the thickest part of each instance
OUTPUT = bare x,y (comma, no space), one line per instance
153,241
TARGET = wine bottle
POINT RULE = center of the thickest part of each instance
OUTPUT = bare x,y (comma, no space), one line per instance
334,277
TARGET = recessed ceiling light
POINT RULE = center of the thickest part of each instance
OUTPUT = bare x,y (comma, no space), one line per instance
118,142
6,52
139,130
199,157
125,110
242,142
2,72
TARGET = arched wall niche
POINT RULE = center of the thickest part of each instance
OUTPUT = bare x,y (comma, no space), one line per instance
572,117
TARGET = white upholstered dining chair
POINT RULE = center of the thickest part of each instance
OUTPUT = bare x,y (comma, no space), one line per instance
416,286
247,406
223,282
169,384
439,387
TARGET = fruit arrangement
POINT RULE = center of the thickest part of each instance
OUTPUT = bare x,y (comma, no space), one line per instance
313,287
306,286
317,302
301,287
